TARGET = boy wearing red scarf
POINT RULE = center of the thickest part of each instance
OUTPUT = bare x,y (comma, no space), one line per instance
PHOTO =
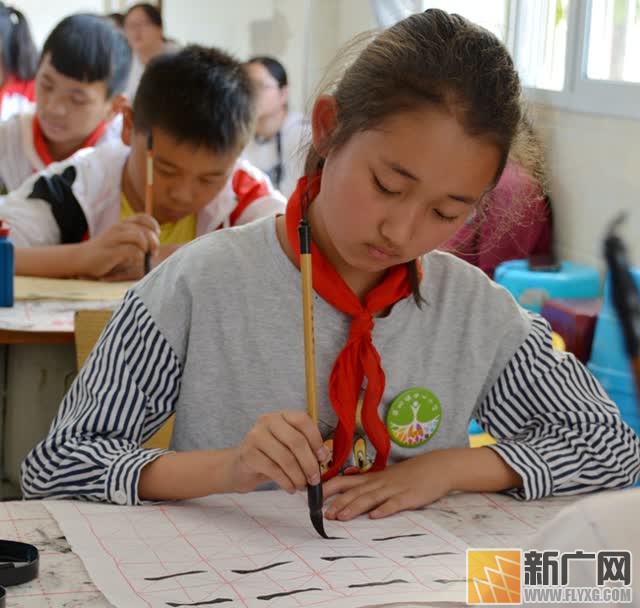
86,216
83,70
410,342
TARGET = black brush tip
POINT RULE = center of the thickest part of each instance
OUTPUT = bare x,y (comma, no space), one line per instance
314,498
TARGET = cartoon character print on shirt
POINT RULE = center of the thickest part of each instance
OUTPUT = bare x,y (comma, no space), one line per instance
359,461
412,419
57,191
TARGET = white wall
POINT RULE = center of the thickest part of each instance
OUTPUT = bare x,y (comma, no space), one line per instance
249,27
594,163
43,15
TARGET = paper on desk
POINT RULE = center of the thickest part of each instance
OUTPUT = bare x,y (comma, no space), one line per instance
37,288
46,315
254,549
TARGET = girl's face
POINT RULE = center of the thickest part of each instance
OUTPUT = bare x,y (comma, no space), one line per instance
142,33
271,98
393,193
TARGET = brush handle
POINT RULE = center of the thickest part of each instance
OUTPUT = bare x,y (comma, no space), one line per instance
309,340
148,195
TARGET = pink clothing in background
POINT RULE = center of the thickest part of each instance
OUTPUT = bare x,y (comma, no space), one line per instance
514,223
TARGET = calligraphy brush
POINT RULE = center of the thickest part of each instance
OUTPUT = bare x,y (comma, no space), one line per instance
314,492
625,295
148,196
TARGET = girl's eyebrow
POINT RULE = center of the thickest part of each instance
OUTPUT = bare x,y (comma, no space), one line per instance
463,198
401,170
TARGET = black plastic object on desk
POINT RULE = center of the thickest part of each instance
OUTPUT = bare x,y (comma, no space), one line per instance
19,563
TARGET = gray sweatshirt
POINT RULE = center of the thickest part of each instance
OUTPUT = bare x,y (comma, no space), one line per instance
215,334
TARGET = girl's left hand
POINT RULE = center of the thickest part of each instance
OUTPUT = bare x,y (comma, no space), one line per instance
410,484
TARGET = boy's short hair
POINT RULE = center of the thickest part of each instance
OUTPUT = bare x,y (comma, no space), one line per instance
198,95
90,48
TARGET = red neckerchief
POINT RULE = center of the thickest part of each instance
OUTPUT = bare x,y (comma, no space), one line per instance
41,145
26,88
358,358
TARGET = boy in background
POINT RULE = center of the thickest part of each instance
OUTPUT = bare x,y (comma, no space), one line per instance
82,73
84,216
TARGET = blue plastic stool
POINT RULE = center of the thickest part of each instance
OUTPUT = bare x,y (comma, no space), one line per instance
531,287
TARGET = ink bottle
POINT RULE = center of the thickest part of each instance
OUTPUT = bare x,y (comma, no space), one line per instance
7,266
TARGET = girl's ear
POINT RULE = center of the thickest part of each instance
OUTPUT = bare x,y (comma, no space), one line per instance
284,94
127,125
324,120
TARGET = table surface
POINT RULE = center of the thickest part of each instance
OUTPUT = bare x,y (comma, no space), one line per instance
64,582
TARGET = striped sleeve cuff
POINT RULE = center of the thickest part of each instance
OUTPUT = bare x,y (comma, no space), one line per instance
123,475
537,478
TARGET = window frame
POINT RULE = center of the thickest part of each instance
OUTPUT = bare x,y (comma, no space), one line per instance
579,93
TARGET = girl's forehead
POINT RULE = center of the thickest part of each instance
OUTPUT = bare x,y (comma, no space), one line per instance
427,145
258,71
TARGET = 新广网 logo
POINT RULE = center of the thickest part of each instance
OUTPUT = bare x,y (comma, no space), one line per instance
494,576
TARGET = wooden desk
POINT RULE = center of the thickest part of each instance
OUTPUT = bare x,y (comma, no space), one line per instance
8,336
499,522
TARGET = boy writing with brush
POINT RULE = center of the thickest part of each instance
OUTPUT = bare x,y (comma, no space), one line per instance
85,216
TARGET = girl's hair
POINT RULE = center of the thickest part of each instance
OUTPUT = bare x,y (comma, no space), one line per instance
274,67
151,11
19,53
436,59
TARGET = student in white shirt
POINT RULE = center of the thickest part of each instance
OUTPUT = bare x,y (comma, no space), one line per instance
281,135
85,216
82,72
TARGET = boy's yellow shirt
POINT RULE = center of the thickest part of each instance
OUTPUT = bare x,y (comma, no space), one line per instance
171,233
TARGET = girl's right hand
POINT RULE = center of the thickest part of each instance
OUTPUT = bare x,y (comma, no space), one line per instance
122,245
285,447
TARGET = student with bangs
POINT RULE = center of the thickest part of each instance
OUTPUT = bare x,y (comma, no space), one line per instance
18,63
82,72
84,216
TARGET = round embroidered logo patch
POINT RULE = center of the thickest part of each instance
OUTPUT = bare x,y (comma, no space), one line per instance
413,417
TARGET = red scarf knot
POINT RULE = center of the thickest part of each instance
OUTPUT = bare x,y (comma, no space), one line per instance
361,327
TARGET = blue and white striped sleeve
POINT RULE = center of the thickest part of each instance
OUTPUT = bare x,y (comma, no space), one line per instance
123,394
555,425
